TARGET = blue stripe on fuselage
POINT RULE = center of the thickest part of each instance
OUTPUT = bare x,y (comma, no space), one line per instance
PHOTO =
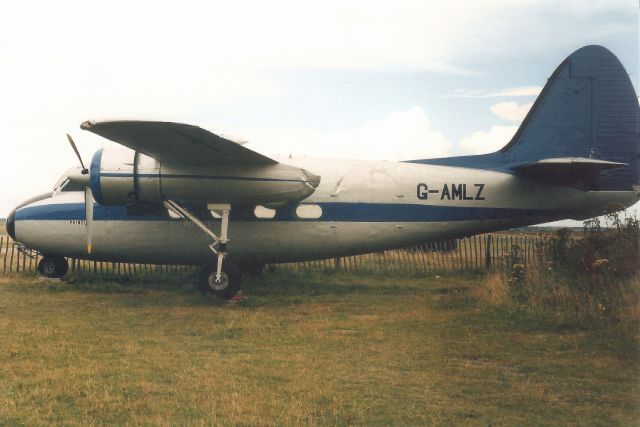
339,212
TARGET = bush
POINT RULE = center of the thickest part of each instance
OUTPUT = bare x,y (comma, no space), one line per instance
582,280
601,256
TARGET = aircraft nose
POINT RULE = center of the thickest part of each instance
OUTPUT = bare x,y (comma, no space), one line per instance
11,224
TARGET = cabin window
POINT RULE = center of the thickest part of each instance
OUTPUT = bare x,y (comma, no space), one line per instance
308,211
264,213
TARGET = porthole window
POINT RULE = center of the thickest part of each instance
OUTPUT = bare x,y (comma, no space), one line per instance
264,213
308,211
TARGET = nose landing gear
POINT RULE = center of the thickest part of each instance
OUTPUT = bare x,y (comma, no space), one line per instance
53,266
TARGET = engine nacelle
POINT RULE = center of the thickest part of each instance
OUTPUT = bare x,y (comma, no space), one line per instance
120,176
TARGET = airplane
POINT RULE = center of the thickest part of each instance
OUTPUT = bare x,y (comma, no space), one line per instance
172,193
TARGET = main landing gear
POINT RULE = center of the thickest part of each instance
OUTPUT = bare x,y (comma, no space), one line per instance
222,277
53,266
228,286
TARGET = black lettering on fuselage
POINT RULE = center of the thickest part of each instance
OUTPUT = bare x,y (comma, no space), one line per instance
422,191
464,193
456,191
445,193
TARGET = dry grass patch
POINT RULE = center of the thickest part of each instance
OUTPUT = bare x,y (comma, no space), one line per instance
302,349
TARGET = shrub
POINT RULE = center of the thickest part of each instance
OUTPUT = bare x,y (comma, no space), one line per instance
584,279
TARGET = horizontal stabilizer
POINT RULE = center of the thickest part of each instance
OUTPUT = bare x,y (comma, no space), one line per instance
566,170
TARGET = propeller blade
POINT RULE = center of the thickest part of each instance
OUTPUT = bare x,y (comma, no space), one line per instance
88,210
73,145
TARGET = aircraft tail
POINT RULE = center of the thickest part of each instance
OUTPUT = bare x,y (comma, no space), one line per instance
584,123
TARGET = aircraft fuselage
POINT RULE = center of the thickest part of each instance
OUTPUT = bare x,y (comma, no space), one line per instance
358,207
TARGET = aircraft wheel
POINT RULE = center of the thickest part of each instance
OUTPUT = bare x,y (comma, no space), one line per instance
229,284
53,267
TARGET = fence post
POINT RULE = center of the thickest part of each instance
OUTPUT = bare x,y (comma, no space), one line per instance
451,251
13,245
4,259
423,259
18,261
403,261
488,253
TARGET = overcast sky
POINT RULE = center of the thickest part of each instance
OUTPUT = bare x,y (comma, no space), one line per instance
353,79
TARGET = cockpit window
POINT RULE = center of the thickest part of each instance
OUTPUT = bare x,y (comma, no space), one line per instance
63,184
71,186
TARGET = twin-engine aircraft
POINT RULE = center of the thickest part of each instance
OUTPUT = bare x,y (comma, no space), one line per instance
175,193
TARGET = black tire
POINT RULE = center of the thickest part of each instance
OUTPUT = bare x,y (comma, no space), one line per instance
53,267
231,280
63,266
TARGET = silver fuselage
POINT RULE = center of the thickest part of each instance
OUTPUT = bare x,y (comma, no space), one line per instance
366,206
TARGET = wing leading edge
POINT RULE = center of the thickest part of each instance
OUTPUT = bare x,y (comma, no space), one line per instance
176,143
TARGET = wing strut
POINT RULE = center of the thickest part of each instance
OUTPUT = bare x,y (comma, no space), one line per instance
219,245
183,212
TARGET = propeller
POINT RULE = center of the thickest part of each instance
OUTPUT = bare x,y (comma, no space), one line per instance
75,149
88,196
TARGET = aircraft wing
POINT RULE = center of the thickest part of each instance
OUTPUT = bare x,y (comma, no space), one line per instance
176,143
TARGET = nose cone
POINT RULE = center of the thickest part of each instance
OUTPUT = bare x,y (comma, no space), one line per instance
11,224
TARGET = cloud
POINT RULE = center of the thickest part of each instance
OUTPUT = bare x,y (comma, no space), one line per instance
496,137
401,135
74,60
511,110
482,142
240,35
284,34
512,92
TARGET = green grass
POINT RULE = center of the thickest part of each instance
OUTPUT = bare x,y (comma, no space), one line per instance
301,349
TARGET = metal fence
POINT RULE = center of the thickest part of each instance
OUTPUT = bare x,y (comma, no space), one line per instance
475,253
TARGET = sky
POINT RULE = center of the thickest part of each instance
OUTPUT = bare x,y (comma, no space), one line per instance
346,79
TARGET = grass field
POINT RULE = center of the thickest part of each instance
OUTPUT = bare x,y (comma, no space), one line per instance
301,349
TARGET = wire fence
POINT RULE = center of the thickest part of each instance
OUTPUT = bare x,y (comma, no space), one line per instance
471,254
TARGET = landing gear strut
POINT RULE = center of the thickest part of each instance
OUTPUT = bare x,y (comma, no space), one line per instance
224,278
53,266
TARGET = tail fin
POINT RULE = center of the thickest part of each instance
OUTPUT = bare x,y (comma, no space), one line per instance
587,110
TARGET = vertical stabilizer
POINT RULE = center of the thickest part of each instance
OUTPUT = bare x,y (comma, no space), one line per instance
588,109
